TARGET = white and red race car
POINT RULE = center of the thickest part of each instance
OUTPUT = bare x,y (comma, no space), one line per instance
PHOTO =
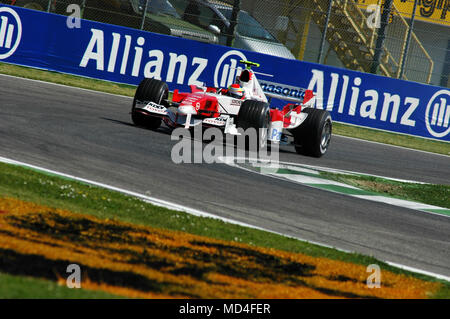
217,107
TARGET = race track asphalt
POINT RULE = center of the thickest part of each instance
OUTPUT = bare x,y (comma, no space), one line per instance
90,135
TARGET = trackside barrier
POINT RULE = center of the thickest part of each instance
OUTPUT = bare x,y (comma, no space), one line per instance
124,55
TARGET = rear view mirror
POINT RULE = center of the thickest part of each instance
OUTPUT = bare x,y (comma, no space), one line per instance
214,29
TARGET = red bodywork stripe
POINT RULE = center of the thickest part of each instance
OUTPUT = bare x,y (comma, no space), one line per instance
276,115
308,96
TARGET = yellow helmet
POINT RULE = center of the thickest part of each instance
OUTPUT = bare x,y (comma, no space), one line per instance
236,91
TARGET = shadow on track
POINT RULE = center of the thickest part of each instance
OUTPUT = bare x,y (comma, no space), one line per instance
168,131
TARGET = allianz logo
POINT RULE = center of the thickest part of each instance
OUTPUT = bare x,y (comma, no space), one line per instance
437,114
10,32
227,68
439,110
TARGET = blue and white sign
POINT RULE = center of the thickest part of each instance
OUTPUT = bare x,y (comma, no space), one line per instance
125,55
10,32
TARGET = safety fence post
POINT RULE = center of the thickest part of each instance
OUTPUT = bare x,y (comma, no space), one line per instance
408,40
144,13
324,34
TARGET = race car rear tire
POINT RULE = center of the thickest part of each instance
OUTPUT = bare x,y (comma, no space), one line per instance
312,137
255,114
149,90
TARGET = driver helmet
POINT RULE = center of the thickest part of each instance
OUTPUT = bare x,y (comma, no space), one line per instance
236,91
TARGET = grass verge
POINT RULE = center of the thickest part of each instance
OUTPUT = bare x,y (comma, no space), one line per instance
148,262
383,137
438,195
22,287
52,191
129,90
67,79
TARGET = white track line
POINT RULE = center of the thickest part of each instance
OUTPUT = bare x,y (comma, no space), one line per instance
306,181
423,272
342,171
195,212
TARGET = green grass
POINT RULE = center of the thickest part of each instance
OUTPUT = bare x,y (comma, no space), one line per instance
22,287
129,90
392,138
438,195
66,79
53,191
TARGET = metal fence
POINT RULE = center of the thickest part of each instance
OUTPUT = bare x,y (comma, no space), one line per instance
366,35
408,39
369,36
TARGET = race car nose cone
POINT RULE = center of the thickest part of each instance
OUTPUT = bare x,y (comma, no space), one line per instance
186,109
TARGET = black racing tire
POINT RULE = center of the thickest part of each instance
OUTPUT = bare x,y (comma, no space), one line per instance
255,114
313,136
149,90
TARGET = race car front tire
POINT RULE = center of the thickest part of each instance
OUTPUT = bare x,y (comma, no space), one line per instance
255,114
312,137
149,90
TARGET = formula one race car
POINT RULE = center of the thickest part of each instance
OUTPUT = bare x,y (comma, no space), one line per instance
242,105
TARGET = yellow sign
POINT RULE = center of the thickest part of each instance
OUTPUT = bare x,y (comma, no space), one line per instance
434,11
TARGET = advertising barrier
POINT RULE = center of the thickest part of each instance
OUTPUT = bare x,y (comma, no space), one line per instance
124,55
